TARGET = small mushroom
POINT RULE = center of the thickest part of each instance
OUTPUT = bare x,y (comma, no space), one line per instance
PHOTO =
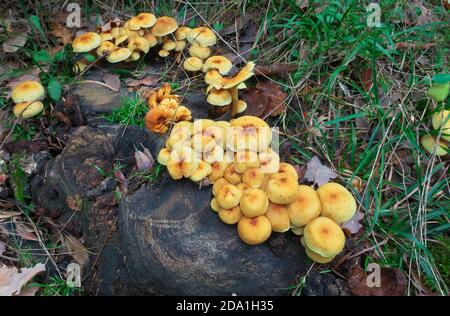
105,48
163,53
231,175
228,196
86,42
139,43
118,55
142,20
202,36
246,160
324,237
117,31
27,91
254,230
316,257
305,207
214,205
254,202
121,39
169,45
249,133
218,170
440,120
430,144
289,170
253,177
158,120
241,106
193,64
134,56
243,187
220,63
179,46
28,109
297,230
180,135
213,78
163,156
163,26
199,51
203,170
278,217
106,36
181,33
230,216
182,162
282,190
337,202
218,184
270,161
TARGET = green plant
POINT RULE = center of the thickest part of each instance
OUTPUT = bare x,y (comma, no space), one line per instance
132,112
57,287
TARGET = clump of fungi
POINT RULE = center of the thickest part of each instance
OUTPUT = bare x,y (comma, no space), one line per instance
253,189
27,97
128,41
165,109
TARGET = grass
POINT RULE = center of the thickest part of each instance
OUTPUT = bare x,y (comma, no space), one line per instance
370,135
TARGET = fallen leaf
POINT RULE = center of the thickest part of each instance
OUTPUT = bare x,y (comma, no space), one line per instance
75,249
266,99
144,161
25,232
367,79
12,281
275,69
3,178
146,81
354,225
74,202
8,214
240,23
112,81
13,44
29,291
61,32
318,173
439,91
392,282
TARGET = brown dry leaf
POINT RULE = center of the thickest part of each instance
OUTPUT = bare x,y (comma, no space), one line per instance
146,81
112,81
62,33
12,281
78,252
354,225
265,99
25,232
3,178
392,282
276,69
13,44
8,214
318,173
144,160
366,79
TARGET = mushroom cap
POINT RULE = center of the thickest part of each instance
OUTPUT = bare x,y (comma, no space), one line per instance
442,119
141,20
219,63
253,177
169,45
86,42
288,169
219,97
193,64
157,120
241,106
134,56
207,140
337,202
163,156
429,143
80,66
218,184
305,207
182,162
179,46
264,182
105,47
181,33
202,36
213,154
213,78
164,25
27,91
106,36
231,175
314,256
203,170
278,217
230,216
297,230
243,187
218,170
282,190
214,205
163,53
137,42
324,237
181,134
228,196
270,161
121,39
199,51
118,55
182,113
245,160
254,202
152,40
254,230
28,109
243,74
118,31
249,133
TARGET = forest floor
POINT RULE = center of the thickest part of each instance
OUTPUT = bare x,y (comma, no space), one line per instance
349,92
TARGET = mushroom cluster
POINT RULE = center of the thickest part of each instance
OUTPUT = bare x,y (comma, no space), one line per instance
27,97
165,109
441,123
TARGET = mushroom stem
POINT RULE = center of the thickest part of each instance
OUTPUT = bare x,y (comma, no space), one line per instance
234,101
